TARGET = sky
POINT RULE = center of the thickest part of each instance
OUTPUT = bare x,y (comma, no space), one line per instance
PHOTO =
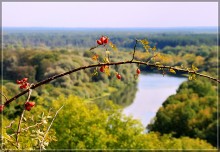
109,14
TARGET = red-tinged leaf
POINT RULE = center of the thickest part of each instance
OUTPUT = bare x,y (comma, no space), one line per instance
95,57
107,70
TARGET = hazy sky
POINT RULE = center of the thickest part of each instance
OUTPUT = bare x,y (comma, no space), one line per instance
109,14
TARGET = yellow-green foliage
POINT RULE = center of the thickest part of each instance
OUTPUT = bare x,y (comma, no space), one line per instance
32,131
191,112
82,125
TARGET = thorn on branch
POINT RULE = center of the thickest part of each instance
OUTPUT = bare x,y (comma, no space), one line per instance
136,41
10,125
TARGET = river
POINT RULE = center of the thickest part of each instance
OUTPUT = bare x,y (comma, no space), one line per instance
153,90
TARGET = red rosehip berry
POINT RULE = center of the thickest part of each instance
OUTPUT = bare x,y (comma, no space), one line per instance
106,40
118,76
99,42
1,108
25,79
18,82
25,85
102,69
102,39
29,105
138,71
28,108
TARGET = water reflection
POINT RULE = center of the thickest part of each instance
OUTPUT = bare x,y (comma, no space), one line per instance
153,90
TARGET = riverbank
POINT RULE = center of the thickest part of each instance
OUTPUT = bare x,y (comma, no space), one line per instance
153,90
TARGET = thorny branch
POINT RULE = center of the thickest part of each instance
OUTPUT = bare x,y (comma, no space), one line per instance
6,99
25,129
19,127
22,115
149,59
136,41
50,125
154,65
102,64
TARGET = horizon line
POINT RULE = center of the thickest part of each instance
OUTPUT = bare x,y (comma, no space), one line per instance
110,27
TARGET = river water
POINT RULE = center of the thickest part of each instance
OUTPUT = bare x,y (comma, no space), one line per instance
153,90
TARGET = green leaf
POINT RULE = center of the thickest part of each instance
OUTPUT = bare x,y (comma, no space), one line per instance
95,72
190,77
172,71
144,42
158,63
113,46
25,119
194,68
194,76
106,60
154,48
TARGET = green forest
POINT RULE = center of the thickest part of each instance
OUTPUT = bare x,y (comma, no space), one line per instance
91,116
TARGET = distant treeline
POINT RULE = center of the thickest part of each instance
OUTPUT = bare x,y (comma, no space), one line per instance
86,38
